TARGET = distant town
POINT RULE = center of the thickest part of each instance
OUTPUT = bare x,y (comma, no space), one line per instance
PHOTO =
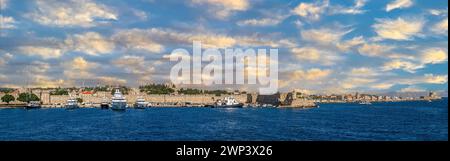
168,95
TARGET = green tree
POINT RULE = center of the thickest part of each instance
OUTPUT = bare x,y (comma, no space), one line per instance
27,97
8,98
59,91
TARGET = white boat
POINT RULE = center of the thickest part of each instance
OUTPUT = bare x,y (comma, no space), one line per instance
33,105
72,104
228,102
364,103
140,103
118,101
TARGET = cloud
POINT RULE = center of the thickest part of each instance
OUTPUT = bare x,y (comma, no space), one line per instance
412,63
43,81
438,12
373,49
354,82
435,79
311,11
323,35
401,64
5,58
223,9
79,68
272,21
363,72
7,22
356,9
154,39
80,63
399,4
349,44
382,86
315,55
90,43
441,27
398,29
305,76
412,89
71,13
137,39
44,52
314,11
434,56
38,67
3,4
134,65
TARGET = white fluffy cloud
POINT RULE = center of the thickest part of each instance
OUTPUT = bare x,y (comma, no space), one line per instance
311,11
44,52
223,9
412,89
398,4
90,43
356,9
441,27
71,13
434,56
134,64
426,56
5,58
314,11
435,79
7,22
313,75
137,39
323,35
401,64
398,29
374,49
314,55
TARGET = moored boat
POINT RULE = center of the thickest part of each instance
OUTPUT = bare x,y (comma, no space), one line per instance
72,104
140,103
33,105
227,102
118,101
364,103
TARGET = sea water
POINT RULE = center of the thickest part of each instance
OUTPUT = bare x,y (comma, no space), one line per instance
415,120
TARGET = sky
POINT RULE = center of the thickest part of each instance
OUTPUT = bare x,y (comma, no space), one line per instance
329,46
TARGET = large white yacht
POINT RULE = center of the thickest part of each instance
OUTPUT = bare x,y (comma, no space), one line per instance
140,103
118,101
72,104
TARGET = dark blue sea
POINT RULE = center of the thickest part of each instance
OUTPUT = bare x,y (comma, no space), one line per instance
419,120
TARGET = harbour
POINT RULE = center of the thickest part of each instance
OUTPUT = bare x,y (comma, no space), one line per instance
407,120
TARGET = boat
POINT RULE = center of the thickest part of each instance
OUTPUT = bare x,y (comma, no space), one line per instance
104,105
72,104
118,101
364,103
33,105
228,102
140,103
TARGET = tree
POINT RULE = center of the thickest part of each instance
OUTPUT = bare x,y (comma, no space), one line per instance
79,100
27,97
59,91
8,98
